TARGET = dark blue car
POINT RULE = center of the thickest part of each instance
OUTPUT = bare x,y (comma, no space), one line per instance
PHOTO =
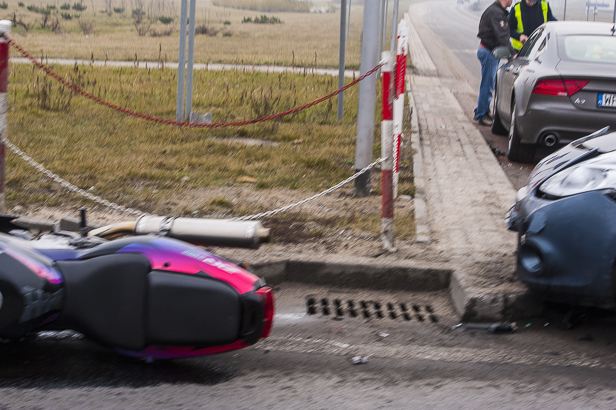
566,222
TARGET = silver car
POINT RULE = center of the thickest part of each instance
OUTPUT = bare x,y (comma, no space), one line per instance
558,88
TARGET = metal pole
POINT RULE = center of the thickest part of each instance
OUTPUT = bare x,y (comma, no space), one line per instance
394,26
565,11
367,97
387,208
614,18
385,23
383,26
191,54
348,22
181,62
5,29
341,58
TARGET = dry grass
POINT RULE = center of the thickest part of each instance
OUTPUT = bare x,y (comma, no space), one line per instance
302,39
134,161
271,6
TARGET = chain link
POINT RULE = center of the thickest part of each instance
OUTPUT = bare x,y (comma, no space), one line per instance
286,208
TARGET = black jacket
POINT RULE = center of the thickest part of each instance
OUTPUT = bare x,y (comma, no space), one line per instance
493,27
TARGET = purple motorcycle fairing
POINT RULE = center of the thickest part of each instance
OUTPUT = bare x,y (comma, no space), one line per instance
169,255
176,256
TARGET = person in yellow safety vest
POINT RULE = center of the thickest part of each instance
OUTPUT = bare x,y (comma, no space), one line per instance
525,17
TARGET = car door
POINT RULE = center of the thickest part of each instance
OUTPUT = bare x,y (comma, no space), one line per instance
536,66
511,71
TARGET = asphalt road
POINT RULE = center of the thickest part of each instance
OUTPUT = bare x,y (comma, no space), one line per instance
449,33
456,26
305,364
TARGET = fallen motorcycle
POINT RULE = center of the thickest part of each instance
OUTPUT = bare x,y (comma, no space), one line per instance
142,288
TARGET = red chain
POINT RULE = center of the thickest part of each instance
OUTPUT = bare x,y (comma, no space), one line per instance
83,92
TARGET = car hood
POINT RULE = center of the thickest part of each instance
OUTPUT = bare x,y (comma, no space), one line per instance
597,145
582,69
579,150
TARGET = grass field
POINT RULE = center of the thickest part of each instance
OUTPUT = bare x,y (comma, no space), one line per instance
303,39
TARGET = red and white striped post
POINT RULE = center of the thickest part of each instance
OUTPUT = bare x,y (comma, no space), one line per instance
387,209
5,33
401,52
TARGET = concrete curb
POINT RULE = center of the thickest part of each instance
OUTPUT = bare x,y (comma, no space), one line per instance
362,273
420,58
422,226
490,305
471,303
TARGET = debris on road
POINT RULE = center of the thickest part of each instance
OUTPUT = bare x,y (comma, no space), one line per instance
502,327
359,359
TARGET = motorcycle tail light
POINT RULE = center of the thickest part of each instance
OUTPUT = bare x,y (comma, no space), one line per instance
267,300
559,87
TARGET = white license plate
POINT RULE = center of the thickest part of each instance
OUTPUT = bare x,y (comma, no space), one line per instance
606,100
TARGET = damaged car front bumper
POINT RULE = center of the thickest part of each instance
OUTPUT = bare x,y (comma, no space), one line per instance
565,218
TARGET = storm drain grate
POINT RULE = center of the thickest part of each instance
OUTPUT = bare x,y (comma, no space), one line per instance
370,309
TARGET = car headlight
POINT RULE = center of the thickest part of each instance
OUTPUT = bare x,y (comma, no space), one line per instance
580,178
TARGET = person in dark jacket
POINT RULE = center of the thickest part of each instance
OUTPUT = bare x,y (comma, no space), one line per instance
525,17
493,32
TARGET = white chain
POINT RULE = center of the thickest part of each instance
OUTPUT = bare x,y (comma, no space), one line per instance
286,208
131,211
67,184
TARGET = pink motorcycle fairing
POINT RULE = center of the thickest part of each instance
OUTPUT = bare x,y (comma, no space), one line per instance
176,256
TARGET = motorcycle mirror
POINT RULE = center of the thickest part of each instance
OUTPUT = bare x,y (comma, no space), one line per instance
502,52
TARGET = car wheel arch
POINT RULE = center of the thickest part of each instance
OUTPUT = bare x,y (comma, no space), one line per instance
516,102
516,150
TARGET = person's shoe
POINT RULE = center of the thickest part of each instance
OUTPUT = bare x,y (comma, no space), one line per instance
485,121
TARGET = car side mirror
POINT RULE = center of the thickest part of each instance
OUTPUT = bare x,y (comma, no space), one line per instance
502,52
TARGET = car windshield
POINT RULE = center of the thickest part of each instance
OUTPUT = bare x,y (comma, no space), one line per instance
588,48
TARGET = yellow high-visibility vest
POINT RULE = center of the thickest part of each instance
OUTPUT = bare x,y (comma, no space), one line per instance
518,15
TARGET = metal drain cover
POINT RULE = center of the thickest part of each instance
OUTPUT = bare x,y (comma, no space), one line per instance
367,309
